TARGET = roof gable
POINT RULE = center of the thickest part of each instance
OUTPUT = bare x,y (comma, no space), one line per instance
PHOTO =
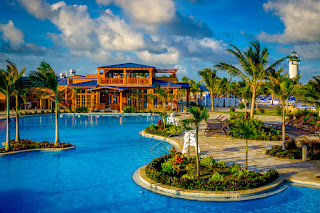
128,65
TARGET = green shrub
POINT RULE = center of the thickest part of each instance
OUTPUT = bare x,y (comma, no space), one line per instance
216,177
70,110
35,112
208,162
82,109
167,167
42,111
234,168
52,110
261,110
129,109
221,164
232,109
241,106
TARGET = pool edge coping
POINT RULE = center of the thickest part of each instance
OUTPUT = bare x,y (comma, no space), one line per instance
38,149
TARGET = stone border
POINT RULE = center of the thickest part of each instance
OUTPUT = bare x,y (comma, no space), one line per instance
39,149
174,143
141,179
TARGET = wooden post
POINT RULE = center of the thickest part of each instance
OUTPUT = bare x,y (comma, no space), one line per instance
124,77
188,96
150,76
175,98
120,101
97,99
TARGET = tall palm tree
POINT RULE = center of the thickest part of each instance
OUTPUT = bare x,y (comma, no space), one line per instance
245,130
209,77
198,115
45,77
253,65
282,87
8,79
136,95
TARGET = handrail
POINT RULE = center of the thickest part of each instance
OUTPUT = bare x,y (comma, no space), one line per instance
150,150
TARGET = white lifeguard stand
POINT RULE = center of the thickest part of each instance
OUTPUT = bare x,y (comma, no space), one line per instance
171,119
294,61
189,140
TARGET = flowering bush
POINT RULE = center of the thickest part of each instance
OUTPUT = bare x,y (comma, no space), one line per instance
159,129
25,144
214,177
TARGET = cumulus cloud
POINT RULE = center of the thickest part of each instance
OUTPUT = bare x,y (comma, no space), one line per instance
170,58
301,20
146,11
12,34
40,9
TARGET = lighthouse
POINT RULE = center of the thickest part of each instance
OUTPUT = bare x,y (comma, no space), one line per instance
293,65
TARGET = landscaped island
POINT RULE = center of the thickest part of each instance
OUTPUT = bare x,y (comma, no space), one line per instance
175,170
25,144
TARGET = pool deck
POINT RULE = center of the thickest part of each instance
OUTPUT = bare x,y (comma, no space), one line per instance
232,150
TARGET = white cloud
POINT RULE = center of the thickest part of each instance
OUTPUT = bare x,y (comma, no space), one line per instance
38,8
170,58
115,34
12,34
146,11
301,20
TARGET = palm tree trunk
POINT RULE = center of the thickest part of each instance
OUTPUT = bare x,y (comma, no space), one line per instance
56,142
40,103
252,103
197,156
17,121
246,154
245,108
212,103
7,147
283,127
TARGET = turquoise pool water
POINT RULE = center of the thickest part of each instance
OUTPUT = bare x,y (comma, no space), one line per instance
96,177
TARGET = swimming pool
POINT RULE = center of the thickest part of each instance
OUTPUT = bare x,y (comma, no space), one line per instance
96,177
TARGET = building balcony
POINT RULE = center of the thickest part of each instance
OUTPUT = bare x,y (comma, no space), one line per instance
135,81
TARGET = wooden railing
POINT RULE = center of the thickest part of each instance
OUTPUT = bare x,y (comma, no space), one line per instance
122,81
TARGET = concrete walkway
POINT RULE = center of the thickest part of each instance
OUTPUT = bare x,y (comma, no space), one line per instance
232,150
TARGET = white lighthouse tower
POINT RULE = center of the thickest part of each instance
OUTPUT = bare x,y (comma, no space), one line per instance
293,65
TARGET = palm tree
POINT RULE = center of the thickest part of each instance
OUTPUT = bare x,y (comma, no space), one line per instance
282,88
310,93
198,115
20,86
8,79
41,94
209,78
136,95
24,95
254,66
244,129
45,77
164,116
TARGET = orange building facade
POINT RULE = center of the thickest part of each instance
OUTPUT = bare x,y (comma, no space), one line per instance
117,86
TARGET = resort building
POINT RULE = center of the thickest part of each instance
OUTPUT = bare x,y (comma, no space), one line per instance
116,86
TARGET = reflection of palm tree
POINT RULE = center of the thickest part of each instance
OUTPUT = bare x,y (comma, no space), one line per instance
198,115
253,63
45,77
8,79
282,88
209,78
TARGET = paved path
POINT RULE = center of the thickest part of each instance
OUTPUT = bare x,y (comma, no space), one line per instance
232,150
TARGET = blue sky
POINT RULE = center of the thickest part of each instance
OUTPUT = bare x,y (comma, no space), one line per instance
186,34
